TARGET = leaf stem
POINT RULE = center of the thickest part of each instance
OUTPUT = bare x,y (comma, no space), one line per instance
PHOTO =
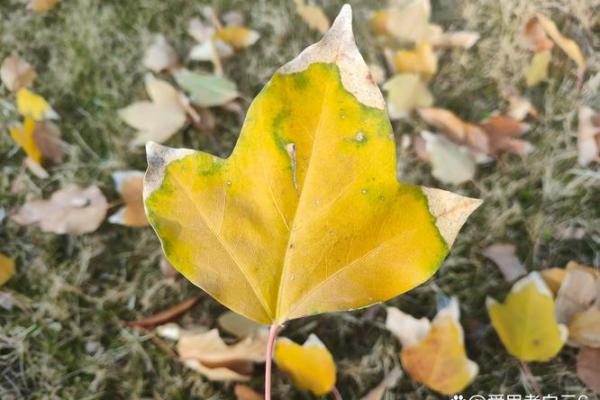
273,331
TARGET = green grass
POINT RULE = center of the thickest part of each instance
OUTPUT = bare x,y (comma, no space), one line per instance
67,342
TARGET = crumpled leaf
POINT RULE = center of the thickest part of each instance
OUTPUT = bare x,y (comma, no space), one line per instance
422,61
450,163
33,105
525,322
7,268
313,15
130,185
406,21
389,381
160,55
325,249
238,37
243,392
504,256
434,353
158,119
588,136
239,325
405,93
16,73
588,368
310,366
71,210
206,90
41,6
208,354
537,71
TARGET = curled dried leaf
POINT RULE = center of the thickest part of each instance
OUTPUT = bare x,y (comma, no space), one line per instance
16,73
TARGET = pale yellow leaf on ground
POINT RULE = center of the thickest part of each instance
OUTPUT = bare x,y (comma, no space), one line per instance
310,365
159,119
33,105
537,70
210,355
588,136
239,325
588,367
130,186
405,93
7,268
407,22
407,329
160,55
389,381
238,37
41,6
422,61
16,73
243,392
525,322
71,210
437,358
504,256
450,162
313,15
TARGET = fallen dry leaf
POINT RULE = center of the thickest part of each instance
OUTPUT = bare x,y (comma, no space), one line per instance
577,293
310,365
405,93
534,36
206,90
554,278
238,37
537,70
159,119
167,315
588,367
450,162
40,141
41,6
456,129
16,73
588,136
160,55
434,353
406,22
520,107
7,268
422,61
584,328
313,15
504,256
502,133
71,210
130,185
243,392
210,355
239,326
464,39
23,136
525,322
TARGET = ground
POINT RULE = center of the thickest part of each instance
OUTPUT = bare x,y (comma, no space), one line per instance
68,342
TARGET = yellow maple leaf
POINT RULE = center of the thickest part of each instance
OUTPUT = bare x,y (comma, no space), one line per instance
310,366
525,322
434,354
306,215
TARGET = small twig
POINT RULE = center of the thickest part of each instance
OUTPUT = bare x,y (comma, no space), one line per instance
530,378
336,394
273,331
165,315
